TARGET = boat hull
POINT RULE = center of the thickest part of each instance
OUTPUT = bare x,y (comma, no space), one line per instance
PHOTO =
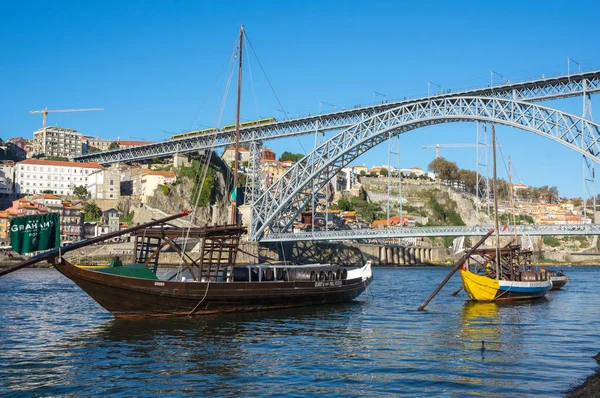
483,288
130,297
558,282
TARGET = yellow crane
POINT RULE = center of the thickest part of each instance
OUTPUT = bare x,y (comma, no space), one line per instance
438,146
46,111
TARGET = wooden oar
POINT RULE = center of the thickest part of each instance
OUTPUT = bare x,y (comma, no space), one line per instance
74,246
454,293
456,267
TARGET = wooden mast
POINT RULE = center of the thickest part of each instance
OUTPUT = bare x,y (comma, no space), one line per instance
512,198
498,266
237,133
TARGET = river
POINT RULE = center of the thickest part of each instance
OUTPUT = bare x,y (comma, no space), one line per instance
54,340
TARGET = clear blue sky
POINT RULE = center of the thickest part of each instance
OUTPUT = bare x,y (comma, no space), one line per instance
157,67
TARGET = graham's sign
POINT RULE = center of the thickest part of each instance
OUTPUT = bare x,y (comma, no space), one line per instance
33,233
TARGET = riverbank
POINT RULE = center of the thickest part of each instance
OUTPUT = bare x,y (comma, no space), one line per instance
590,387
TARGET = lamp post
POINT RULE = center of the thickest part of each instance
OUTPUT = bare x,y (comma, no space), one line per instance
429,84
325,103
373,96
569,60
492,73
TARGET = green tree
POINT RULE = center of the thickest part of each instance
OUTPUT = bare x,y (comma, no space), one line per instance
444,169
113,145
288,156
92,212
363,173
383,172
344,204
80,191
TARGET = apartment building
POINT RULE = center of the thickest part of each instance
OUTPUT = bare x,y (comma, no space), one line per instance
57,142
34,176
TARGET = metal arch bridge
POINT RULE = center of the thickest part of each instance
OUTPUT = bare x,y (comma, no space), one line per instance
533,90
276,209
431,232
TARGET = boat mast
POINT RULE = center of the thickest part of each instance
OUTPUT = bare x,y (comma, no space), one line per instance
512,198
237,133
498,267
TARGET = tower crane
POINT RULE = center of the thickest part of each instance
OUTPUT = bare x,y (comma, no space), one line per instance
45,112
438,146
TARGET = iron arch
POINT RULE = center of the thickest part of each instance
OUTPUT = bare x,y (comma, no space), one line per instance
278,206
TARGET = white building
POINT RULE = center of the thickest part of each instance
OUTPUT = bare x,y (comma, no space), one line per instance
36,176
104,183
152,179
58,142
7,175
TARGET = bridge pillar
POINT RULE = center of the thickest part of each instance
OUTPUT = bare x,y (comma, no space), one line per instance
380,256
396,256
401,256
411,256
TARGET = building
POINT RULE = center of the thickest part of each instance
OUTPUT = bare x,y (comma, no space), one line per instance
130,144
152,179
57,142
7,178
24,144
99,143
229,155
104,183
34,176
267,155
4,228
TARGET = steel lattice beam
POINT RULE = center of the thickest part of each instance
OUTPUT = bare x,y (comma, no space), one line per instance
533,90
276,209
431,232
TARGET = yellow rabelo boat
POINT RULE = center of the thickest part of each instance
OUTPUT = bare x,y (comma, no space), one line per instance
483,280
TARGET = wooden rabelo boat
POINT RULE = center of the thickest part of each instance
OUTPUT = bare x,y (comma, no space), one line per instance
558,278
503,275
208,282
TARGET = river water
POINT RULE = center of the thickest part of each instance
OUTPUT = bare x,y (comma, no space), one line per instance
54,340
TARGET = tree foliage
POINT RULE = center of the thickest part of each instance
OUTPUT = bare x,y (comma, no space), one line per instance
92,212
80,191
444,169
383,172
287,156
113,145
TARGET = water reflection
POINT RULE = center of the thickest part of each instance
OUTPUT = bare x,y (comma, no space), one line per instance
480,322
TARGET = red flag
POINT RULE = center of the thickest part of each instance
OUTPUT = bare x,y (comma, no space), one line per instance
505,226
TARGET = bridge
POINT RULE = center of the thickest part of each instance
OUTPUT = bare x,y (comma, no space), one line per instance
275,209
433,232
543,89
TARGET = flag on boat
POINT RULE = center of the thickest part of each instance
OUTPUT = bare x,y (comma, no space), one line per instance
32,233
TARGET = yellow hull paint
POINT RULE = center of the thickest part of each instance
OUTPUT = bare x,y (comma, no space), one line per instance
92,266
480,288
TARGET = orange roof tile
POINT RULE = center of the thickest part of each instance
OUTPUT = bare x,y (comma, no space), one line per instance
160,173
41,162
134,143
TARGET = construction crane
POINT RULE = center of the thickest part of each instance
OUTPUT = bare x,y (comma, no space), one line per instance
438,146
45,112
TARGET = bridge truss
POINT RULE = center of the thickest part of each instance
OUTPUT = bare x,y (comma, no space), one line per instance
276,209
532,91
431,232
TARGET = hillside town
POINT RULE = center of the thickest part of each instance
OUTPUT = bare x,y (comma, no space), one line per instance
38,176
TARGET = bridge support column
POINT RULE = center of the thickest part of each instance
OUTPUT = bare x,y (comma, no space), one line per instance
401,256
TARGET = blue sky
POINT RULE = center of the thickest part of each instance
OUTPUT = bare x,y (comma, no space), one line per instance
158,67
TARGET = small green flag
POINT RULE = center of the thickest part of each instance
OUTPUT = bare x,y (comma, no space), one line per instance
33,233
234,195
